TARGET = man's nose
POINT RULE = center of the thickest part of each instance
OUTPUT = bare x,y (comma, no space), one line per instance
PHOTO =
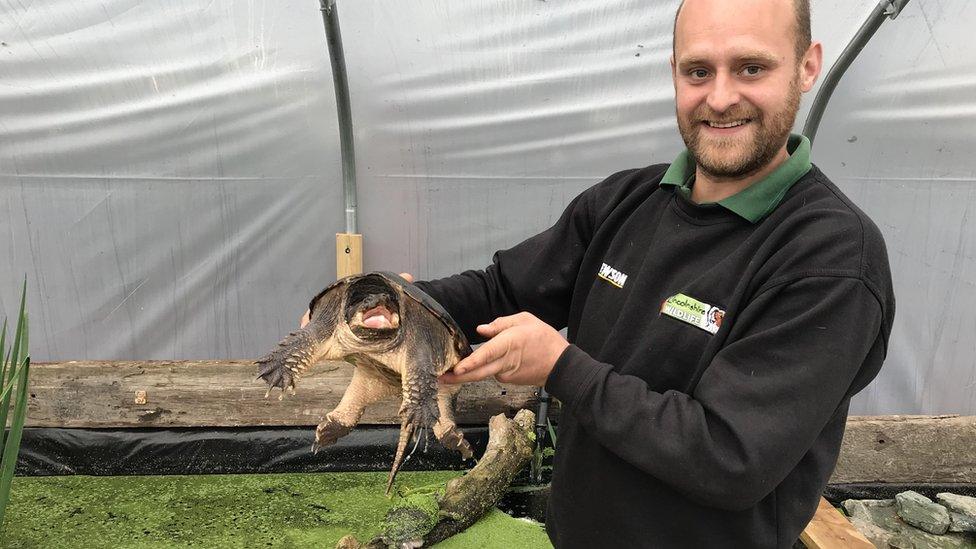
724,93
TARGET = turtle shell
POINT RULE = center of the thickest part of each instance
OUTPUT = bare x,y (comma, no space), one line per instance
413,292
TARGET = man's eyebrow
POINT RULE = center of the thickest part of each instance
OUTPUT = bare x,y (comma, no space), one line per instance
750,57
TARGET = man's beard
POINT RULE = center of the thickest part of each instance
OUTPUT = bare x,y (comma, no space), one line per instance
769,135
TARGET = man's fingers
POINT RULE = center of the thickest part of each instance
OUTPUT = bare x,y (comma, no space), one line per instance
484,362
476,374
501,323
305,319
407,276
482,356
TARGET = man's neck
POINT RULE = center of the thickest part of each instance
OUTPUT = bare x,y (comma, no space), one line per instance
709,188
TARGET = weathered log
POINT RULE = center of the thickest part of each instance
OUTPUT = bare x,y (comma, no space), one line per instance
219,393
908,449
465,499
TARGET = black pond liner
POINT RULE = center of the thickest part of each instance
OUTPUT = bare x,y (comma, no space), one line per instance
836,493
200,451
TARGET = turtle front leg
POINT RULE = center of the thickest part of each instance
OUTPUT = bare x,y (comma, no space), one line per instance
296,353
363,390
446,431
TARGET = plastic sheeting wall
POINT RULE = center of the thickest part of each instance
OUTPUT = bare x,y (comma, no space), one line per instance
169,172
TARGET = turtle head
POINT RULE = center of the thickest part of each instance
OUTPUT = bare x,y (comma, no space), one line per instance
372,308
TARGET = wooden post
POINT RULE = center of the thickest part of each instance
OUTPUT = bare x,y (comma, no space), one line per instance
349,254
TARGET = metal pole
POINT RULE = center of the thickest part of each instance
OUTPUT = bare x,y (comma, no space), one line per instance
334,39
541,424
885,8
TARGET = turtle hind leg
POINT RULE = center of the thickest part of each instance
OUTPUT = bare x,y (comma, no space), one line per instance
446,431
364,389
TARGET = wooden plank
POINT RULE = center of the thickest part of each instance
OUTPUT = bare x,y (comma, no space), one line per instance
218,393
829,529
349,254
907,449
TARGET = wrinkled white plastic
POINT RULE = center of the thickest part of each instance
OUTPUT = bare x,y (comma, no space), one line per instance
170,180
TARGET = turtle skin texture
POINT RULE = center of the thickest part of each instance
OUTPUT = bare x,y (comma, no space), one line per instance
399,340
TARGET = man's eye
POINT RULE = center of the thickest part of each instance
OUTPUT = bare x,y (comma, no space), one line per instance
752,70
698,73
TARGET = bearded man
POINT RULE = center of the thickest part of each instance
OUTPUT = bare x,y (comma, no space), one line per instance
721,309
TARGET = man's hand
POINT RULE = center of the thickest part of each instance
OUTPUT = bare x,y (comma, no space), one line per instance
305,317
522,350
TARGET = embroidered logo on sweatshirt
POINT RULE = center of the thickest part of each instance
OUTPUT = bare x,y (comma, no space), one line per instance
694,312
613,276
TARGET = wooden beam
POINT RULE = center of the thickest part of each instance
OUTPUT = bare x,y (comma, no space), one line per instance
216,393
908,449
349,254
829,529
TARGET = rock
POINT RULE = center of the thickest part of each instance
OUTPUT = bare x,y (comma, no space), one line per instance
875,534
871,510
962,511
921,512
901,542
878,521
961,523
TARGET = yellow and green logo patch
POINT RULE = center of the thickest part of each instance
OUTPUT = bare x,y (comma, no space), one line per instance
690,310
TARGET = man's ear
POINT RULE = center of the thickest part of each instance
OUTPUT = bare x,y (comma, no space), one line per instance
810,66
674,73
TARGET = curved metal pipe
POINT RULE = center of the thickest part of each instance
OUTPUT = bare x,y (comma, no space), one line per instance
885,8
344,111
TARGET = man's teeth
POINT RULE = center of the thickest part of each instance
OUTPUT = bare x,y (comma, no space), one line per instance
728,125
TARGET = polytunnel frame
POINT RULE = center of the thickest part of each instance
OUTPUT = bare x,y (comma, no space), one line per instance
886,9
126,451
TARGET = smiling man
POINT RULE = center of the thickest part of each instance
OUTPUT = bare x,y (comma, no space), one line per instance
721,310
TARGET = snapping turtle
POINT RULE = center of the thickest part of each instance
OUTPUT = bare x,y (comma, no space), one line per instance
398,338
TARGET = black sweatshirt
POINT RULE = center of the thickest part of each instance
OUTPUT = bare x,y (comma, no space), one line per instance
705,393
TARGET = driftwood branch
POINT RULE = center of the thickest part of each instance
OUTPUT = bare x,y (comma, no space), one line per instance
465,499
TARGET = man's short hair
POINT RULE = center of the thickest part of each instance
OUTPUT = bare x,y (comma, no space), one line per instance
801,12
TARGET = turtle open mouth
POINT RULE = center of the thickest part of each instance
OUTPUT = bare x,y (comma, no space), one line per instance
379,318
372,307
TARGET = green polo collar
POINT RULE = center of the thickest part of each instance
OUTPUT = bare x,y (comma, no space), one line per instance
759,199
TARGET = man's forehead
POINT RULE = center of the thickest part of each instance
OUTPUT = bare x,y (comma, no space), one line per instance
734,28
718,14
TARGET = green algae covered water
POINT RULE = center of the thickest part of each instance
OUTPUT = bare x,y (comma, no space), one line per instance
276,511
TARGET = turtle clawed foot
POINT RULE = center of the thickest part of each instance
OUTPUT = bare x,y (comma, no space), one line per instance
328,432
281,396
453,439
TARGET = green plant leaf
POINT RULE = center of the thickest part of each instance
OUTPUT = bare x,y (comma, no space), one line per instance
12,361
3,346
8,462
19,370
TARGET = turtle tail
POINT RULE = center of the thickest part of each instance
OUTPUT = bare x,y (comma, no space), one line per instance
418,414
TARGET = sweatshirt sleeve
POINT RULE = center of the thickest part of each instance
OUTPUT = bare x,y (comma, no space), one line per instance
794,355
537,275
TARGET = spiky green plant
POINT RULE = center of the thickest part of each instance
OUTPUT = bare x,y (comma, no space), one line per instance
14,369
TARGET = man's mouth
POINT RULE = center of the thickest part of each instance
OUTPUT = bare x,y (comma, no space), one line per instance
725,125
